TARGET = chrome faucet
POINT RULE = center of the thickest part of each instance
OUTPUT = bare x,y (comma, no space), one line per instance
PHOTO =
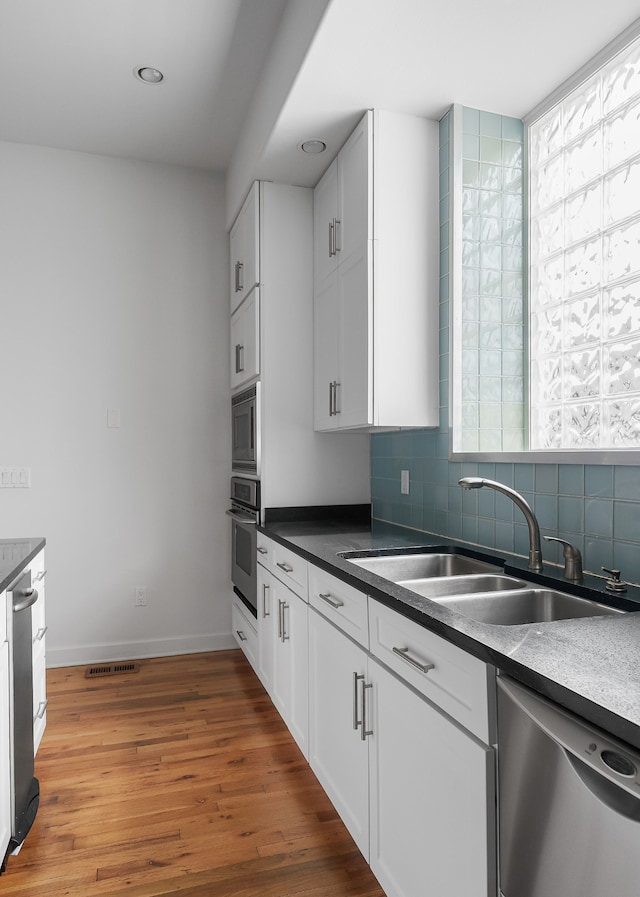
535,551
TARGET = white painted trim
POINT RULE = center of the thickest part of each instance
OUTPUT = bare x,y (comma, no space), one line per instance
89,654
617,45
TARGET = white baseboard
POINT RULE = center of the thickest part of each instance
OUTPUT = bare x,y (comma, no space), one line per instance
89,654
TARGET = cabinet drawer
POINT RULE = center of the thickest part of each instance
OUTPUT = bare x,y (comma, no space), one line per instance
345,606
264,547
456,682
245,631
290,569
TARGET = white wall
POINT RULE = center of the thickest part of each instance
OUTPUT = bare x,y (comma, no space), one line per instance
113,293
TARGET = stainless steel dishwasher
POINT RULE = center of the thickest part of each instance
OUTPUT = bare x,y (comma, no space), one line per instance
569,803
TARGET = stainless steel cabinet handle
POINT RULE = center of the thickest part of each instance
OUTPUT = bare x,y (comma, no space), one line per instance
236,284
331,240
282,631
265,612
330,600
337,234
356,721
41,575
262,550
239,284
364,732
241,635
284,566
239,358
40,634
417,664
42,707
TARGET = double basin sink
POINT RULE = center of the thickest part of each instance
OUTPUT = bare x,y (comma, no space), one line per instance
477,589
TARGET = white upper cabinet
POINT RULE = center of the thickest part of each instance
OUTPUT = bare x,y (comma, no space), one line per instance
244,244
245,341
376,242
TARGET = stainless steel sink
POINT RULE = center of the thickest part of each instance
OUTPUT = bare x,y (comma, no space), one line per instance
455,586
403,567
523,606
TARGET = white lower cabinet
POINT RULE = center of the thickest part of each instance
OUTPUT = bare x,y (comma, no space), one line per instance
283,665
244,630
5,738
414,787
338,754
430,785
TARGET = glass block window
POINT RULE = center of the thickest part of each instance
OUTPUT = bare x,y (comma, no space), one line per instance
584,244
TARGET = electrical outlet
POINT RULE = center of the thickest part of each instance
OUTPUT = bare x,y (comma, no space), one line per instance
404,482
141,597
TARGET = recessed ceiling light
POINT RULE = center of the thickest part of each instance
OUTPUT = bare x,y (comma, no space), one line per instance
148,74
313,146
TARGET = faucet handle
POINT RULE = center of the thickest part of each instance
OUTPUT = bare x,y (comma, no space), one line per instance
572,559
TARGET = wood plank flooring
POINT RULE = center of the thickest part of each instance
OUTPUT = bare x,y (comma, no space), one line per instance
180,780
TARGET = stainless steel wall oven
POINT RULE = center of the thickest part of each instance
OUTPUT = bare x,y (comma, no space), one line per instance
245,430
245,515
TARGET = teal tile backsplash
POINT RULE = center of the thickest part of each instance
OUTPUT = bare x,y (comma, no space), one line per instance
596,507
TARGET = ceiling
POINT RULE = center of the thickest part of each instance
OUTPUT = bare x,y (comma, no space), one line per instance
66,70
66,75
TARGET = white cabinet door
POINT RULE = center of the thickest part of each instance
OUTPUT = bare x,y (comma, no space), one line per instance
354,402
432,826
337,753
325,356
38,633
267,627
290,692
355,191
245,341
244,249
325,214
5,760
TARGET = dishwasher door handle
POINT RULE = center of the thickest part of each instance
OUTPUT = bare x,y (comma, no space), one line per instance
24,598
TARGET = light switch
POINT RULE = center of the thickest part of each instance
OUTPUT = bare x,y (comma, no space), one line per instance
15,477
404,482
113,418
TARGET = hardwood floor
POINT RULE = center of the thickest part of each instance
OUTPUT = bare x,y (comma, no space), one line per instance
181,780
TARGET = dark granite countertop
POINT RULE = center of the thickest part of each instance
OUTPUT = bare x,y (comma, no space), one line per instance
15,554
591,665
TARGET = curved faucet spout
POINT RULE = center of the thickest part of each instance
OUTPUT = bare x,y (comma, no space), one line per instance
535,550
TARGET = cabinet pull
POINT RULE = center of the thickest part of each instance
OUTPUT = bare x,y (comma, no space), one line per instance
333,602
241,635
40,634
41,575
331,240
42,706
333,398
262,550
284,566
282,632
364,732
239,284
417,664
337,236
356,678
265,612
239,358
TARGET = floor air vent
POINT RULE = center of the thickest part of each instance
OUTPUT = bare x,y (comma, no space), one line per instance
111,669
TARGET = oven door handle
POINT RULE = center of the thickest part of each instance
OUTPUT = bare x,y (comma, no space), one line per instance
240,518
